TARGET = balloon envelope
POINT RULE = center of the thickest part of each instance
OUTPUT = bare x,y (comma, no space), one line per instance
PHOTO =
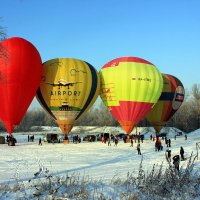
130,86
169,102
69,87
20,75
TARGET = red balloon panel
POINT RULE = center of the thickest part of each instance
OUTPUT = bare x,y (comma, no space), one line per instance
20,75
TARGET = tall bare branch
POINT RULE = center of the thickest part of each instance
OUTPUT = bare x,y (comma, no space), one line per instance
3,53
196,91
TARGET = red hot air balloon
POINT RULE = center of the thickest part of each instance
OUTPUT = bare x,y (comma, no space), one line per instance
20,75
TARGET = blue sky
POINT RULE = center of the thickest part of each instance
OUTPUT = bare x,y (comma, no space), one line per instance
164,32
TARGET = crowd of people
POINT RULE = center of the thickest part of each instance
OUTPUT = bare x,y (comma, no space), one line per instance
160,142
107,138
176,158
159,146
135,137
76,139
11,140
31,138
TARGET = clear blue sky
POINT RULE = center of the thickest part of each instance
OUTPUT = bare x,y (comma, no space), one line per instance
164,32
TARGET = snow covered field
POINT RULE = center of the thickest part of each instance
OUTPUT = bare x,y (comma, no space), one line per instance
99,161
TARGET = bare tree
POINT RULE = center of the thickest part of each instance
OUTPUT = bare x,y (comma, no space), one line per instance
196,91
3,53
183,117
196,96
2,34
98,115
105,117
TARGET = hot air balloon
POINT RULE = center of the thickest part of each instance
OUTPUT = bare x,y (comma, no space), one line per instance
171,98
68,88
20,75
130,86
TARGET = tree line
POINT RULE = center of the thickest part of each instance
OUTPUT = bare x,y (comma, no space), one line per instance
187,118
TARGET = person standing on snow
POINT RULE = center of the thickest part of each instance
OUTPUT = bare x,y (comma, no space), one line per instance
131,142
168,154
169,143
109,144
182,153
176,161
40,141
102,139
138,149
185,137
116,140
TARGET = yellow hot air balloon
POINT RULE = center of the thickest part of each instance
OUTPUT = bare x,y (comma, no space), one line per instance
68,88
130,86
171,98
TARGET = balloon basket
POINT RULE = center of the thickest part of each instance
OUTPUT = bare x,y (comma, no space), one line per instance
128,140
65,141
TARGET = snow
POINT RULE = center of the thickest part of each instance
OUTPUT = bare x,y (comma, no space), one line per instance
96,159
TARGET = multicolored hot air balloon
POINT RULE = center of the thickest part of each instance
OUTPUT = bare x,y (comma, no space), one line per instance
20,75
130,86
69,87
169,102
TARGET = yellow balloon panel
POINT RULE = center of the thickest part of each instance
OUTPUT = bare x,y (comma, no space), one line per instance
68,88
130,81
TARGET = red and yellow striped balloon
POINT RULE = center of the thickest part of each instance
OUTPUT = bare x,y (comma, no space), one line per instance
130,86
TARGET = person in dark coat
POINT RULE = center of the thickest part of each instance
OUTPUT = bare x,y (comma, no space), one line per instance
176,161
169,143
185,137
138,149
131,142
182,153
116,140
166,140
40,142
168,154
